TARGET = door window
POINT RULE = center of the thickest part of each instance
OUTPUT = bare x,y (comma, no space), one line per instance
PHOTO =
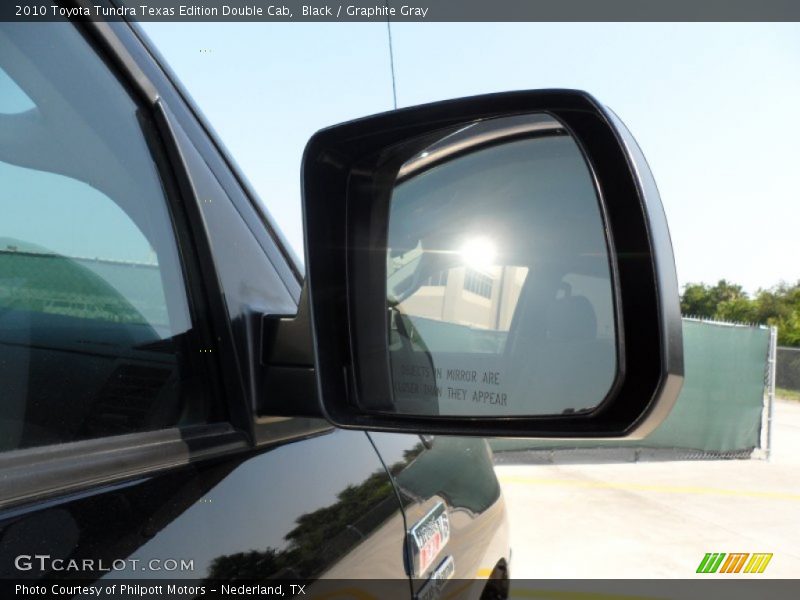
96,337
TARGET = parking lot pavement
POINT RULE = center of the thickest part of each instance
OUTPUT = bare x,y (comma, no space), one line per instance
657,519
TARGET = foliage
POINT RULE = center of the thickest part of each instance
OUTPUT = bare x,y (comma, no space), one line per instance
320,536
725,301
784,394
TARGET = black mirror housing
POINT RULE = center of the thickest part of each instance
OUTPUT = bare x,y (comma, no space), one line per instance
347,177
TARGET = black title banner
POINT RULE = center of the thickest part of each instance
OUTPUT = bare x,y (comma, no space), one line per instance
402,11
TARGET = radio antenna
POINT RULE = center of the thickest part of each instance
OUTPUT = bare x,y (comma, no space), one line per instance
391,54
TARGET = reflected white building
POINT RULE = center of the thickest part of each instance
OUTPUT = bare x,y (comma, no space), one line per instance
478,298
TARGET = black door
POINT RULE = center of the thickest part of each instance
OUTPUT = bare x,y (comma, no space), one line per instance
131,263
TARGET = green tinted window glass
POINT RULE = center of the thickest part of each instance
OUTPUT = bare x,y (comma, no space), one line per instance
95,329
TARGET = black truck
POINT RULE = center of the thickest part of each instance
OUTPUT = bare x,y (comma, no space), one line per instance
182,400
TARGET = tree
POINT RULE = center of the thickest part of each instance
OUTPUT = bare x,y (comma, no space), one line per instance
701,300
738,310
778,305
697,302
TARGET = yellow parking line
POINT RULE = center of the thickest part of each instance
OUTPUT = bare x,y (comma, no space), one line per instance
667,489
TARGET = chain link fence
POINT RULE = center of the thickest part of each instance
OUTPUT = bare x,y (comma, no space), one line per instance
787,372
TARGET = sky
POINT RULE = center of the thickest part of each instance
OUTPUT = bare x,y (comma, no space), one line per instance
715,108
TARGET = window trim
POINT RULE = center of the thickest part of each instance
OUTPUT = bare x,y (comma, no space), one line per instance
31,474
56,473
203,286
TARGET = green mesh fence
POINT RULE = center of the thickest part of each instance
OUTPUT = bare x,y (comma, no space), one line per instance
719,411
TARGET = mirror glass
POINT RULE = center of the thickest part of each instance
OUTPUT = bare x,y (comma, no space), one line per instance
499,290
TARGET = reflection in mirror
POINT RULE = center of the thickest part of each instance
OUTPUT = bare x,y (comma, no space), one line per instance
499,289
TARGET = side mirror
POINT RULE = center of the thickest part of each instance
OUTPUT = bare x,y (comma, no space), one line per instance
497,265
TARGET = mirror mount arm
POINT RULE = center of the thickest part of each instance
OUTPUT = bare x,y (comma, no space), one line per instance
288,377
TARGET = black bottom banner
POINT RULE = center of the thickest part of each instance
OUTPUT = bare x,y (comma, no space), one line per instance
337,589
